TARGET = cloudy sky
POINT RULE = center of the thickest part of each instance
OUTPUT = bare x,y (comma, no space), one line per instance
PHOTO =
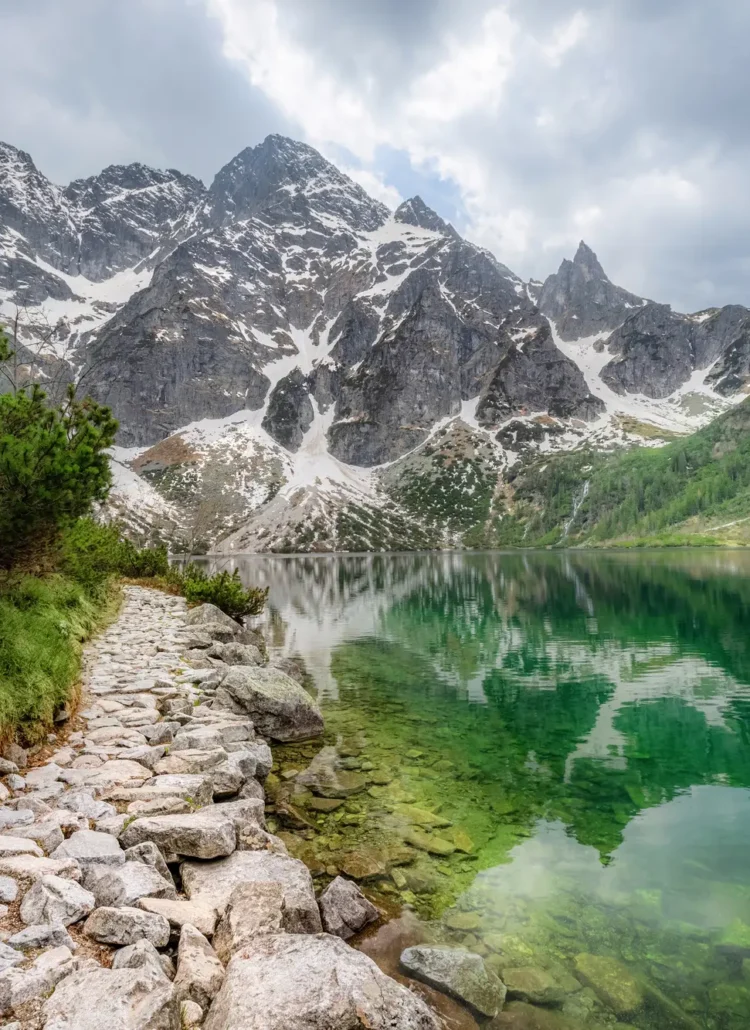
528,123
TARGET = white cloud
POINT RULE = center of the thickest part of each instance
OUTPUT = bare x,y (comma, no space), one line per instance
566,38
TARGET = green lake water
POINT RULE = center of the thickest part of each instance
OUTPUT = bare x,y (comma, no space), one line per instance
551,757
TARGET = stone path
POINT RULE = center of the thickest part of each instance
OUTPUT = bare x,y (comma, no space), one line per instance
140,888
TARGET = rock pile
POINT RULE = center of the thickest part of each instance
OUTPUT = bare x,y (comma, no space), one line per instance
145,833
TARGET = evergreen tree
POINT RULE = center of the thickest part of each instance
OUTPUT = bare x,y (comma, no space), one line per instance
53,467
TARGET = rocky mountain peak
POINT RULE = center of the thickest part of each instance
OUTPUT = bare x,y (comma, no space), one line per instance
286,180
581,299
588,262
415,212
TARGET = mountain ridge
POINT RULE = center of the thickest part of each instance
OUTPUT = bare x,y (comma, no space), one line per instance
284,300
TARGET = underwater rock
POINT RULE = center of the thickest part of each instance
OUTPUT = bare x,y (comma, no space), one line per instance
323,776
529,983
519,1015
362,864
611,981
420,816
324,804
462,920
459,973
428,842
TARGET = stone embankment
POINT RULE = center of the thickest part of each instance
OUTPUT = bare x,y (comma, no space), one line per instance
140,887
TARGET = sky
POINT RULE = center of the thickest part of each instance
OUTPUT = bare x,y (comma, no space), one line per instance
530,124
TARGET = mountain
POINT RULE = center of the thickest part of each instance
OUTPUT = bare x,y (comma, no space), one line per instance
295,366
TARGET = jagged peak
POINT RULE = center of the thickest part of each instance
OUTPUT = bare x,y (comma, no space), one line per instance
260,176
586,259
415,212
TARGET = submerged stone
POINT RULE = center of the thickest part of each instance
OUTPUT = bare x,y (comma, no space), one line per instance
611,981
428,842
459,973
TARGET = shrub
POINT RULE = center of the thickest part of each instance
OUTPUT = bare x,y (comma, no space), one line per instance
53,467
224,590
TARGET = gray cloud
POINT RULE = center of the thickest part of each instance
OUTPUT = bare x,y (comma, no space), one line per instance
636,137
87,84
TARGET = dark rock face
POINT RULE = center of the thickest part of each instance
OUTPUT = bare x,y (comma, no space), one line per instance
534,379
657,350
581,300
290,412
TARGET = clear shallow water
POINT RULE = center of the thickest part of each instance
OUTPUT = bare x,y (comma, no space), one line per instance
569,734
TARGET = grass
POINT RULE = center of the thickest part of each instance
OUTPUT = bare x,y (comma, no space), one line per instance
43,623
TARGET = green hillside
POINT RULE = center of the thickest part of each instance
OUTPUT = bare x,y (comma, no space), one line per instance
695,490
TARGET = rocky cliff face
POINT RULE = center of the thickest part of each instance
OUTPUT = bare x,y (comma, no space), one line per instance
340,335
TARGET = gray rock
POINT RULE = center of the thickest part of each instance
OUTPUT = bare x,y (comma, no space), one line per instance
123,926
10,817
8,889
46,833
236,654
179,912
10,846
288,982
212,884
126,884
200,974
84,803
41,935
210,613
278,706
253,909
29,867
112,999
53,899
148,853
143,955
16,754
344,909
88,847
462,974
9,957
198,834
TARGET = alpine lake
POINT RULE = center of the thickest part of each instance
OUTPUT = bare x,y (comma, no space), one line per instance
543,758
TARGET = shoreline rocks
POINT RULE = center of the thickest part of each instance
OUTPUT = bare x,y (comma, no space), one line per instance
145,832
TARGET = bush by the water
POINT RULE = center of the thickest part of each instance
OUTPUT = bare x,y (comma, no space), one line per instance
224,590
91,553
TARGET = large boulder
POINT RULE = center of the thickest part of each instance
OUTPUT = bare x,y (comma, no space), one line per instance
212,884
123,926
209,614
344,908
126,884
278,706
53,899
253,909
291,982
198,834
88,847
112,999
456,972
